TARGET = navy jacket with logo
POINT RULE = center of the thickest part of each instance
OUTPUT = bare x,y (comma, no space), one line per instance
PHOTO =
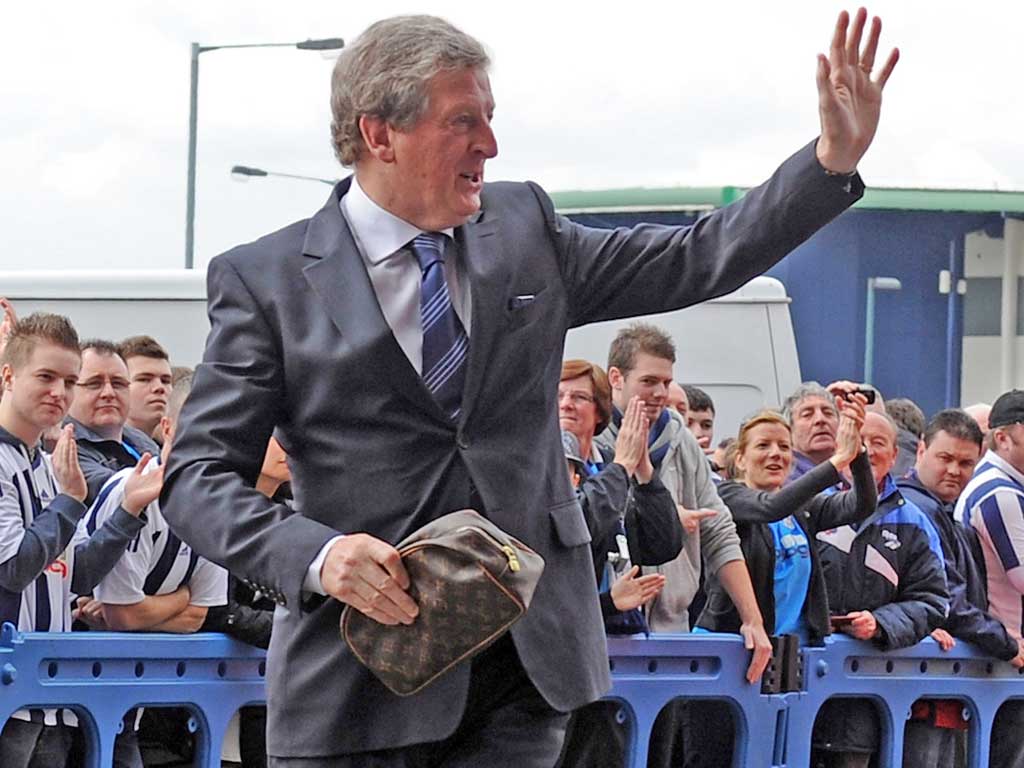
891,564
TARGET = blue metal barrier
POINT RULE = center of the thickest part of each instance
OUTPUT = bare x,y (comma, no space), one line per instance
101,675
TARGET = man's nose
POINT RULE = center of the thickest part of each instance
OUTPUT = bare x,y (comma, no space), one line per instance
487,142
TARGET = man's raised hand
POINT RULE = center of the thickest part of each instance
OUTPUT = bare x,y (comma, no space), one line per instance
141,490
849,98
66,469
368,574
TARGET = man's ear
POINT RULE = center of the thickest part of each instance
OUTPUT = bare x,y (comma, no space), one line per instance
6,377
615,378
377,136
921,448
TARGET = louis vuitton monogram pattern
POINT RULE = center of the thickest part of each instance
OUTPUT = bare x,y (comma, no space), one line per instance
464,607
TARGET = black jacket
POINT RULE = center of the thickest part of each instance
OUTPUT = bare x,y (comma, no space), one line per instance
653,531
891,565
813,511
966,580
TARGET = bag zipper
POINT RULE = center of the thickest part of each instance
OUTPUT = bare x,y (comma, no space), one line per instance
509,552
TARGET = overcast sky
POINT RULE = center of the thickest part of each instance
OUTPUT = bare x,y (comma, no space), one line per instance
93,140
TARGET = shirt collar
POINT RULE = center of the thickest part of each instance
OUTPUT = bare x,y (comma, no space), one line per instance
379,232
994,458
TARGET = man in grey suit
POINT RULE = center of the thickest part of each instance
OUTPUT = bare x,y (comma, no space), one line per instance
406,343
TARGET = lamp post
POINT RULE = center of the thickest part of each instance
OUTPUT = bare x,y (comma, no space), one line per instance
874,284
327,44
243,172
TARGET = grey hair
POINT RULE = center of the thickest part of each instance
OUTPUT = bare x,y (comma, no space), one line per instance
179,394
385,73
804,391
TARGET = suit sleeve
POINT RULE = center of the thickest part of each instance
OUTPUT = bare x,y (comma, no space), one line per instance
616,273
222,437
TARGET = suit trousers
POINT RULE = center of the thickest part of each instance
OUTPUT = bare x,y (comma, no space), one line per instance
506,723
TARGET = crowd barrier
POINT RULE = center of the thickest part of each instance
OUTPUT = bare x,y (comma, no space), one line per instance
101,675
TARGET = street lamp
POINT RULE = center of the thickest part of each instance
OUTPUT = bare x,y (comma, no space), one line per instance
243,172
874,284
327,44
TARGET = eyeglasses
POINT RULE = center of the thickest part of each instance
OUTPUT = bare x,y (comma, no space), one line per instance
97,384
577,398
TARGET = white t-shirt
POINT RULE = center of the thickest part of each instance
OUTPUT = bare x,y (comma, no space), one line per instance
157,562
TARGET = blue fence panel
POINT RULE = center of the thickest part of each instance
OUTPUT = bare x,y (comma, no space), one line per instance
102,675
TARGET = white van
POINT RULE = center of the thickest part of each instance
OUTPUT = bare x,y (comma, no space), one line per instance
167,304
740,348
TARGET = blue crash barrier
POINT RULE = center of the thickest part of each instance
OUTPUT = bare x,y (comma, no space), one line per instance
102,675
774,731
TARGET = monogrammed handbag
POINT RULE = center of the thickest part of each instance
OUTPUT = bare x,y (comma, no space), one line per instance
471,581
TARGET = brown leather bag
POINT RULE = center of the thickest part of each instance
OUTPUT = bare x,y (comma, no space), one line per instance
471,581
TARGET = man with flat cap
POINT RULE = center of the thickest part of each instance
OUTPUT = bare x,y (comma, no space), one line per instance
406,342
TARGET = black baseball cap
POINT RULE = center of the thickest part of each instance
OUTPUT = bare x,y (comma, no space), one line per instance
1007,409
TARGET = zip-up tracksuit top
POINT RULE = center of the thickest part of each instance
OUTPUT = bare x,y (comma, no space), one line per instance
891,565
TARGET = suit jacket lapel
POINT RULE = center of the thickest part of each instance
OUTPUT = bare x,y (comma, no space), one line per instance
339,279
489,272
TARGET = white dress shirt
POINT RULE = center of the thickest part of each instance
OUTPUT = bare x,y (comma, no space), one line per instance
382,239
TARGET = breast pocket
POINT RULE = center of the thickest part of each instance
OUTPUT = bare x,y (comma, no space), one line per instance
523,307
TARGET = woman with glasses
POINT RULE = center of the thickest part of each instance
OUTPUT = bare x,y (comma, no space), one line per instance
632,521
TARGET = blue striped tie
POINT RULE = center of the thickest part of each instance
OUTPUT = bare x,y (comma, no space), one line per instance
444,339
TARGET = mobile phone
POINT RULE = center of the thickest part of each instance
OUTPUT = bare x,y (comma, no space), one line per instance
868,392
838,622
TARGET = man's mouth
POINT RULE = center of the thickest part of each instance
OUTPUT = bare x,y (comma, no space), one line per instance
474,178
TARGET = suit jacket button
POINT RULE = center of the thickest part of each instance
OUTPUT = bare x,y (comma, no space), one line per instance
462,442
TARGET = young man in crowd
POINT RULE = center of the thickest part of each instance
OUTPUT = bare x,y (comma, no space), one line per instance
886,583
701,417
946,457
150,377
41,503
640,362
99,414
991,504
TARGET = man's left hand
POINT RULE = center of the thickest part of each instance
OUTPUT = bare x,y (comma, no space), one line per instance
756,639
849,100
863,626
945,640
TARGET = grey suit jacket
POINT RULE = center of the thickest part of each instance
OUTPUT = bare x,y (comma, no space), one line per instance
298,342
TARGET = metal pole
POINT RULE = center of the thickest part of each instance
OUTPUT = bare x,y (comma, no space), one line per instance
953,304
869,333
190,191
1012,242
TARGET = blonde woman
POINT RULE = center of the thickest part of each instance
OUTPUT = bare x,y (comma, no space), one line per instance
777,524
